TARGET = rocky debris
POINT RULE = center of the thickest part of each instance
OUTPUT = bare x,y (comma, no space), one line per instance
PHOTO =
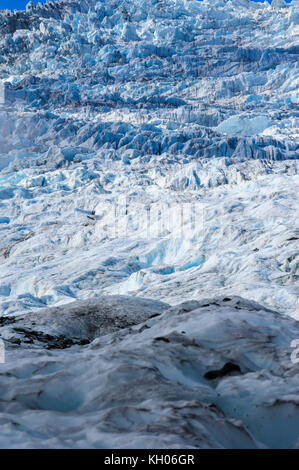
227,369
234,301
52,342
6,321
81,321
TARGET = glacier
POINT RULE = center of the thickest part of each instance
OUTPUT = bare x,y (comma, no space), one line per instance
148,224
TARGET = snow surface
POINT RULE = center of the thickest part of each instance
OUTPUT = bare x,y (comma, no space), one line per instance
149,149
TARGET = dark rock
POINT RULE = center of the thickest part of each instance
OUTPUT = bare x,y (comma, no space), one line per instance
227,369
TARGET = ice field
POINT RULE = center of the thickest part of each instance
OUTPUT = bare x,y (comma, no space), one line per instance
149,224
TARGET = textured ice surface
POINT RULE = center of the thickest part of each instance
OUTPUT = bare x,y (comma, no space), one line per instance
149,149
210,373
